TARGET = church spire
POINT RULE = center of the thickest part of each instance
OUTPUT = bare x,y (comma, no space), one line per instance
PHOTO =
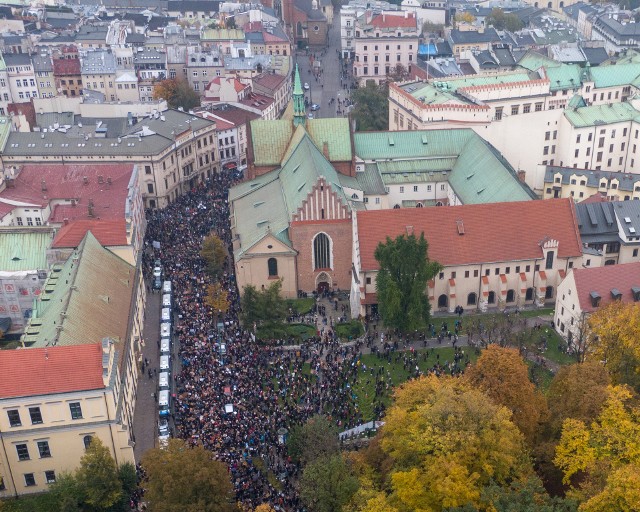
299,110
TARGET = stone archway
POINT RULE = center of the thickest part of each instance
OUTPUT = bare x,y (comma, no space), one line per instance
323,282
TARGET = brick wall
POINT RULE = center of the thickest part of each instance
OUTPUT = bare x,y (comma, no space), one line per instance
339,231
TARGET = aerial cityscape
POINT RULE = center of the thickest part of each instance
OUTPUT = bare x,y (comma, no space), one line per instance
319,256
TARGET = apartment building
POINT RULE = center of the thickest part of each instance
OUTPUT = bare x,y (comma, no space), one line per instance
98,69
383,42
581,184
43,68
150,66
202,66
55,400
173,150
67,76
21,77
585,290
524,265
5,91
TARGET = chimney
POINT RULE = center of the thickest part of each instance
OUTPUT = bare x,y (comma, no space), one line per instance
44,185
66,221
85,180
325,149
409,230
90,208
100,178
522,175
108,180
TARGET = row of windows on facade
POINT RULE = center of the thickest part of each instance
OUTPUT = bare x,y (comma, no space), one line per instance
603,131
416,189
587,165
548,266
30,479
75,409
604,183
30,220
472,298
515,109
321,255
376,70
387,58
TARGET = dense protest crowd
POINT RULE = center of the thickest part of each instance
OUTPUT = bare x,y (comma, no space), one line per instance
236,402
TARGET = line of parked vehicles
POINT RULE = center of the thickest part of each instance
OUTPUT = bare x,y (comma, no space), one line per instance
164,378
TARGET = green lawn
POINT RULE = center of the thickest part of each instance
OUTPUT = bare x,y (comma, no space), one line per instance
365,384
524,313
36,503
290,332
555,346
540,376
349,330
301,306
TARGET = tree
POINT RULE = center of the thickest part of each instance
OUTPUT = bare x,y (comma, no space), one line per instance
616,330
398,73
428,27
180,478
500,20
448,442
264,508
177,92
598,460
67,493
317,438
401,283
327,484
97,476
217,299
214,253
265,306
504,376
371,111
465,17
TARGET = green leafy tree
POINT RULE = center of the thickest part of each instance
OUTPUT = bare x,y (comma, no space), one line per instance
428,27
371,110
184,479
265,306
177,92
66,493
401,283
500,20
97,477
327,484
214,253
317,438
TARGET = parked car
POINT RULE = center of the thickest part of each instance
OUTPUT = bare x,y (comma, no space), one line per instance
310,116
315,107
157,272
306,86
157,283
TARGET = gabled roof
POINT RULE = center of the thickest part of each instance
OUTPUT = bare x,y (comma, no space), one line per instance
602,114
597,220
628,214
45,371
470,37
604,279
24,249
107,232
66,66
88,299
392,21
512,238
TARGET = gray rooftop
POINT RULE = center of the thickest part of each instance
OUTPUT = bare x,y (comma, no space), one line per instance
626,181
98,62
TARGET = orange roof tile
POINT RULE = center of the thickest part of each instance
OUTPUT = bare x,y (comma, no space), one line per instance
107,232
602,280
45,371
391,21
493,232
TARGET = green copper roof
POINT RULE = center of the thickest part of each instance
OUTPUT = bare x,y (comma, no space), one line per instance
612,76
299,108
297,86
24,250
272,138
533,61
577,101
601,114
567,76
410,144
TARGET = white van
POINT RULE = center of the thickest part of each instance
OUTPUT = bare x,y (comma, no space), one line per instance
166,287
165,315
166,300
165,346
165,330
164,405
163,380
164,363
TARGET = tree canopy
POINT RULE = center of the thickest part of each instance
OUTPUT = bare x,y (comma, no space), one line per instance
214,253
177,92
504,376
447,442
327,484
402,280
615,329
371,110
217,299
180,478
601,461
317,438
265,306
501,20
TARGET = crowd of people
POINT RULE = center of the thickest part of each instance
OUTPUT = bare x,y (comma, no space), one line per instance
239,403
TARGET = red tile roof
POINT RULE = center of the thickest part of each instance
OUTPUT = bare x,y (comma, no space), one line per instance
259,101
602,280
270,81
66,67
107,232
492,232
391,21
45,371
595,198
66,182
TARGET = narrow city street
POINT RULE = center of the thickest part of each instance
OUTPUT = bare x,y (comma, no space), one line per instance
145,420
330,84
